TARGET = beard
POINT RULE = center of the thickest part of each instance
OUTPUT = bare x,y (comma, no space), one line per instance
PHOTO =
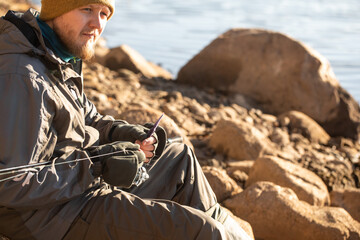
71,41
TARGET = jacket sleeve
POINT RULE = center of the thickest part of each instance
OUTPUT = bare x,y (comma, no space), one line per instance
26,137
103,123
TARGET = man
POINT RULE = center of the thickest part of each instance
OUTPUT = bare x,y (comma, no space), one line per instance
94,186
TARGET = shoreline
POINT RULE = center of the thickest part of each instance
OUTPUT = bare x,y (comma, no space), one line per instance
246,152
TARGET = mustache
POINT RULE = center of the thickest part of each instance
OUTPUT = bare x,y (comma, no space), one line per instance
90,31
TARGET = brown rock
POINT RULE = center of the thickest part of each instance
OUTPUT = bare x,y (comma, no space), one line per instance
101,50
15,5
221,183
280,137
243,166
276,213
292,76
128,58
335,171
300,122
197,108
306,184
102,100
346,123
239,140
349,199
239,176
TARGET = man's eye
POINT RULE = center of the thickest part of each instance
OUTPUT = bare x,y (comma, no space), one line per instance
87,9
105,14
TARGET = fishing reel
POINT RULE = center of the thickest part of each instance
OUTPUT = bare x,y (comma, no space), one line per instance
141,176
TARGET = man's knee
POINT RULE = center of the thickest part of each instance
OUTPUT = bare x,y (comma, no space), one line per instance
180,152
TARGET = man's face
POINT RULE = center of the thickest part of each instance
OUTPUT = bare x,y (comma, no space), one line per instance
80,28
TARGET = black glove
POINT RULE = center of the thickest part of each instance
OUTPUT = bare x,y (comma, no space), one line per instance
123,131
117,162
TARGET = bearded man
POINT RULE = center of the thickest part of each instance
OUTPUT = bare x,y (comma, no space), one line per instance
84,172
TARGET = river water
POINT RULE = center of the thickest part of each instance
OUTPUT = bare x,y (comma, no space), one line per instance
171,32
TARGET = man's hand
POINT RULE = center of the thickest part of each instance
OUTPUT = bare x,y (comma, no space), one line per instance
152,146
136,134
117,162
148,147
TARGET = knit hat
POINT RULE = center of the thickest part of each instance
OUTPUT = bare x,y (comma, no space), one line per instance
51,9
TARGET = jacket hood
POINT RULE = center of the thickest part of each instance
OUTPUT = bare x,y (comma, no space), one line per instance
13,40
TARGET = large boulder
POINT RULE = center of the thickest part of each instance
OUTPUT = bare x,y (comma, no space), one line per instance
306,184
128,58
240,140
279,73
276,213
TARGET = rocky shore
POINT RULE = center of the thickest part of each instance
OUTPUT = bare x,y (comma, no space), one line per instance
276,134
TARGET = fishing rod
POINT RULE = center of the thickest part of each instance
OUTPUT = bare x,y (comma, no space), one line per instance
153,129
50,163
25,168
33,167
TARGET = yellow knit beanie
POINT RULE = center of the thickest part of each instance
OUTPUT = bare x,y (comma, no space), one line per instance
51,9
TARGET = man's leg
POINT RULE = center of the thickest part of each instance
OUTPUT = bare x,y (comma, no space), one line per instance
177,176
115,214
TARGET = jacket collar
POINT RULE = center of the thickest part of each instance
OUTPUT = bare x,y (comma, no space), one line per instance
14,41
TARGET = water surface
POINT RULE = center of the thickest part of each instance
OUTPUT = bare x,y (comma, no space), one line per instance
171,32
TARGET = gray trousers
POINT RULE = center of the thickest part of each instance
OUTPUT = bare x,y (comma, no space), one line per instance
171,204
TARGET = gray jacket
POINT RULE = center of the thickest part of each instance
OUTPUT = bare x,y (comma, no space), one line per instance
45,116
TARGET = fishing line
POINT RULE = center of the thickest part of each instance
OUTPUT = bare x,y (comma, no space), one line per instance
12,177
33,167
26,168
